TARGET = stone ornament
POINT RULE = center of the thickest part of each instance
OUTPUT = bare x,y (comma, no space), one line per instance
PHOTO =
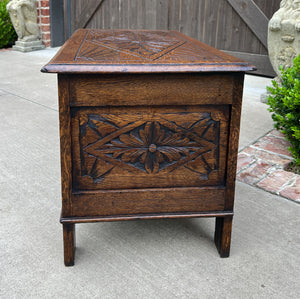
284,35
23,15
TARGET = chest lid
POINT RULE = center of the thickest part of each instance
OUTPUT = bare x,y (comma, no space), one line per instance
139,51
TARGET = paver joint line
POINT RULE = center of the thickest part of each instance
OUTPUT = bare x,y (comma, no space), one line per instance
28,100
262,164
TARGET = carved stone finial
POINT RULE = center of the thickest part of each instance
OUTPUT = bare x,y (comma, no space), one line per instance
284,35
23,15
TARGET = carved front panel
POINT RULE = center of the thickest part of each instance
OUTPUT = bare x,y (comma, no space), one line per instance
148,148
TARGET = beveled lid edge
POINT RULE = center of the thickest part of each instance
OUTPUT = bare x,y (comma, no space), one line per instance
136,68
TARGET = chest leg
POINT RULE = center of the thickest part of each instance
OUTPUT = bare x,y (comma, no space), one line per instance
69,243
223,235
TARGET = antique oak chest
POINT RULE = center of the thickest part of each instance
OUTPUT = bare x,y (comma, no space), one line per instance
149,128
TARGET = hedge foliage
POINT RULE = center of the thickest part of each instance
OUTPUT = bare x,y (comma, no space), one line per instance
7,31
284,103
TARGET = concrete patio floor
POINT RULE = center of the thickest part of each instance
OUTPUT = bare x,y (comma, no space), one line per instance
138,259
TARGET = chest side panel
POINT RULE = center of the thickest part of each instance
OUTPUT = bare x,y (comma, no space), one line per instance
117,148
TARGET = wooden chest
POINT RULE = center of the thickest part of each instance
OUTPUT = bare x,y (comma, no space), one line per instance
149,128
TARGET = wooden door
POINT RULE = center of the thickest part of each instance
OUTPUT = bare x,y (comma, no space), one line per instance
239,27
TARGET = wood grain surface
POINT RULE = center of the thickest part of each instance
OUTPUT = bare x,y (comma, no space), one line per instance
65,143
150,89
233,142
69,243
149,216
146,146
139,51
142,147
223,235
147,201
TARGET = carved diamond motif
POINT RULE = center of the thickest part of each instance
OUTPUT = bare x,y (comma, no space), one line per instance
105,47
150,146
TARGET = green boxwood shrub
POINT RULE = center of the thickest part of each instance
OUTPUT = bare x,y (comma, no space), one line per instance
284,103
7,32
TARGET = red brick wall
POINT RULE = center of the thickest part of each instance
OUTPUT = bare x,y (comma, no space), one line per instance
43,12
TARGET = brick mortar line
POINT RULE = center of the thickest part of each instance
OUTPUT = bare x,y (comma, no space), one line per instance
292,181
256,160
289,183
272,169
279,137
268,172
248,165
255,140
269,152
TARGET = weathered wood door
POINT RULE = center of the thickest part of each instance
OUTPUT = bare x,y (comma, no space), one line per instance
239,27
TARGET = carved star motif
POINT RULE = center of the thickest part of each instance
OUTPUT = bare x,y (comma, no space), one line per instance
150,146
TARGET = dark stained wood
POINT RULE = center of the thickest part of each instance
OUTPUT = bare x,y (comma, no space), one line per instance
69,243
223,235
145,217
233,142
133,51
147,201
161,146
150,89
65,144
149,143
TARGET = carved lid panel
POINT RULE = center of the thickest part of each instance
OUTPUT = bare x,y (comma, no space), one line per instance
143,148
139,51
